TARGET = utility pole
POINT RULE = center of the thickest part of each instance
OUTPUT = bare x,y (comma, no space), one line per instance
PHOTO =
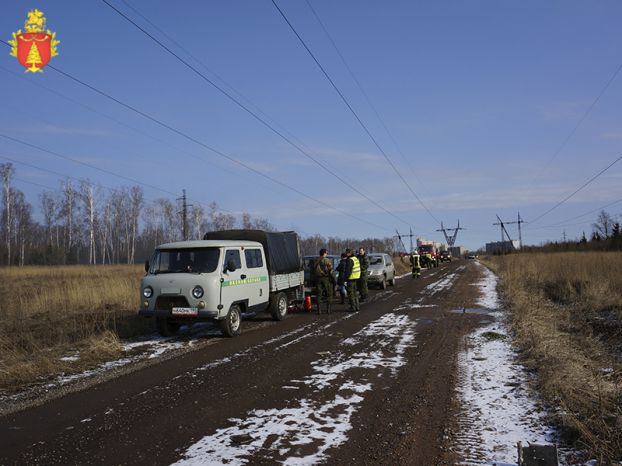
519,221
451,238
184,215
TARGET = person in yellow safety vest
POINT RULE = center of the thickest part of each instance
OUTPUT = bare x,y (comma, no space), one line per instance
415,264
353,273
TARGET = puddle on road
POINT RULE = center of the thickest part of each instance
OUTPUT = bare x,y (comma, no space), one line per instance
473,310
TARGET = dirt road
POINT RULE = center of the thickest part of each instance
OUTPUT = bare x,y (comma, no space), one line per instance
373,387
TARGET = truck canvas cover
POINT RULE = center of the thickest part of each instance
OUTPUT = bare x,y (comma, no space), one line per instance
282,248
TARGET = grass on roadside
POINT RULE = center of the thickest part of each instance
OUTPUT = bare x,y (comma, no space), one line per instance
566,311
49,313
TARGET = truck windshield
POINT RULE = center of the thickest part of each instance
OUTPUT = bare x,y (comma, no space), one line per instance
199,260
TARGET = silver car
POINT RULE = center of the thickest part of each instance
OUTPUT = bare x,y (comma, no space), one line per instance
381,270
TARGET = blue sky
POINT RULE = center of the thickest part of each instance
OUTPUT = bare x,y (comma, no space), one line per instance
478,96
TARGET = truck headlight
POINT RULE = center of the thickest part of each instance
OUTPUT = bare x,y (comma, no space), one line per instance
197,292
147,292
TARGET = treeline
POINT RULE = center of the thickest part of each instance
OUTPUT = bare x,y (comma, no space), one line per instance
83,223
312,245
606,236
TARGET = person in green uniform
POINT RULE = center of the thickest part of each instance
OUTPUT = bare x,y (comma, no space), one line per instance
325,281
362,283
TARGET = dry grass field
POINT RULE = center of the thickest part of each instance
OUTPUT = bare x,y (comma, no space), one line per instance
566,311
46,312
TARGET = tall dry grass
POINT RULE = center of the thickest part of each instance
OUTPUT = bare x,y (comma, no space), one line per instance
49,312
566,311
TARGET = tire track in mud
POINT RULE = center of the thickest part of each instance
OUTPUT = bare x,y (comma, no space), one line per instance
306,428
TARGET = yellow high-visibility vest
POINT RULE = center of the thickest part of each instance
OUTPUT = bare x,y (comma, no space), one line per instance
356,269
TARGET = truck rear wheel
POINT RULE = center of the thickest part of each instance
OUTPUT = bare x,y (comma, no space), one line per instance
230,325
278,306
165,327
392,281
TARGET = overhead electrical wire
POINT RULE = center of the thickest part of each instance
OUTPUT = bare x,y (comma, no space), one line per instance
576,190
211,149
580,122
62,175
345,101
251,112
86,164
360,87
565,222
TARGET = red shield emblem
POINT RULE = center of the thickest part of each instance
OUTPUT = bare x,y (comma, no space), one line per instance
34,50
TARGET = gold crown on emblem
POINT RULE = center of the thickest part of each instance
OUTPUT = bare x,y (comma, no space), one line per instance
35,21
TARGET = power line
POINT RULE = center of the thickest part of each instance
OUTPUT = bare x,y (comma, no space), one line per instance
71,159
581,120
345,101
578,189
365,95
253,114
565,222
211,149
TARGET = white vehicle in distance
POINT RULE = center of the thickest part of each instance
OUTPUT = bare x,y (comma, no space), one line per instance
381,270
225,277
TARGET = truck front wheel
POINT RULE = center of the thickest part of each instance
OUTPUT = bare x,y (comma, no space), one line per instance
230,325
278,306
165,327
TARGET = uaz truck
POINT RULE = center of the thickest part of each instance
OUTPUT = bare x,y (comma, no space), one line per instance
225,277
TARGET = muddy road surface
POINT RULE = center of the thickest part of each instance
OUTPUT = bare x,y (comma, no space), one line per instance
372,387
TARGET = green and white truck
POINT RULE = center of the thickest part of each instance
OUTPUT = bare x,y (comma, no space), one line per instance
227,276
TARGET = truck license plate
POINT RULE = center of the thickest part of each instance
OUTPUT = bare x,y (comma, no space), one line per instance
185,311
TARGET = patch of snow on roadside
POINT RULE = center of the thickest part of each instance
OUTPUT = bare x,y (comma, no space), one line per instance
489,298
497,409
305,429
73,358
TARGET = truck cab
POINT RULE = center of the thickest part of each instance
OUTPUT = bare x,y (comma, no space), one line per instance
225,277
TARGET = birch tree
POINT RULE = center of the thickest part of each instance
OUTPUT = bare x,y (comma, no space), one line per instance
6,172
87,195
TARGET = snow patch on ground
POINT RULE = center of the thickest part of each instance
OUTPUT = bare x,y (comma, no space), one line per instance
407,305
440,285
304,430
497,409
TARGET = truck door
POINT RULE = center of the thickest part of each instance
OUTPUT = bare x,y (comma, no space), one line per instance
232,289
257,284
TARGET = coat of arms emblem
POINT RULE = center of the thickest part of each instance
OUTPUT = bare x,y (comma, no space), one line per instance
37,45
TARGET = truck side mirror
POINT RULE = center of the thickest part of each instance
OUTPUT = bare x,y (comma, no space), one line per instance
230,267
147,265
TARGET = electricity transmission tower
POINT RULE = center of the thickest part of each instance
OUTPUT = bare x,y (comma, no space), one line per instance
406,236
450,238
506,232
519,221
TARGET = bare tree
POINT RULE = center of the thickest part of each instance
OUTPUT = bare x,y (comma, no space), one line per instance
247,223
68,212
22,224
604,225
136,204
104,233
49,210
87,194
6,172
197,215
